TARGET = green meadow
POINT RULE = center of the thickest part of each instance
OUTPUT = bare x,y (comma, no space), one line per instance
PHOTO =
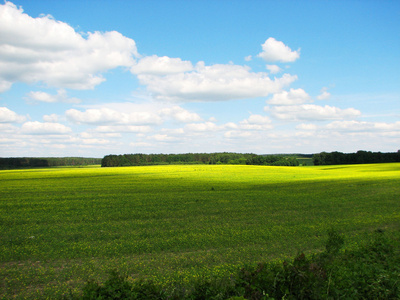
60,227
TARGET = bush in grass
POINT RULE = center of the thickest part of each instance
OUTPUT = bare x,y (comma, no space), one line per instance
334,243
369,272
300,279
117,287
213,289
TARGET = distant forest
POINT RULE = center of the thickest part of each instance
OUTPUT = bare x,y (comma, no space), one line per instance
323,158
198,158
39,162
360,157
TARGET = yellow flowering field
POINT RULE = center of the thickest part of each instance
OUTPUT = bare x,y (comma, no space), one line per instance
60,227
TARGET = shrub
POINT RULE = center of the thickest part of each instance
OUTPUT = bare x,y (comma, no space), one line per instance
116,287
369,272
334,243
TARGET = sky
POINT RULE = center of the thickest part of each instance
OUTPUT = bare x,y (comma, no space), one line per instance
92,78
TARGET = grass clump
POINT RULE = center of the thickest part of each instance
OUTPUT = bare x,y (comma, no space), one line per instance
369,271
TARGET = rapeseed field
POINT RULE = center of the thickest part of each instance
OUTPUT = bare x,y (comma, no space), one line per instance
60,227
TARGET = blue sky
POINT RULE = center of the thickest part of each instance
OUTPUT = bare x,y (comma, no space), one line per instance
91,78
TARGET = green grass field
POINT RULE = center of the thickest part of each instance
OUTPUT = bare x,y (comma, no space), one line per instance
60,227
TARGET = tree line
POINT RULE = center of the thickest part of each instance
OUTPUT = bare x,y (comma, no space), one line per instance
40,162
360,157
140,159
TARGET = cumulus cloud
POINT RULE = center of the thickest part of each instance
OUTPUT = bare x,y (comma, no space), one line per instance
273,69
131,117
258,119
46,50
254,122
248,129
202,127
274,50
357,126
8,116
4,85
7,128
304,126
236,134
123,128
155,65
312,112
181,115
44,128
214,83
107,116
52,118
325,95
163,138
293,105
95,141
48,98
95,134
293,97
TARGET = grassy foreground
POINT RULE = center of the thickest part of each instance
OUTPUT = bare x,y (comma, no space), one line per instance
60,227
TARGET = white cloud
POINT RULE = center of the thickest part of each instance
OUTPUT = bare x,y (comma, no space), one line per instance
8,116
48,98
214,83
248,58
387,126
311,112
293,97
350,126
107,116
46,50
163,138
306,126
181,115
258,119
236,134
53,118
44,128
141,144
249,129
155,65
358,126
6,141
93,134
138,118
123,128
4,85
325,95
7,128
254,122
273,69
95,141
274,50
202,127
173,131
